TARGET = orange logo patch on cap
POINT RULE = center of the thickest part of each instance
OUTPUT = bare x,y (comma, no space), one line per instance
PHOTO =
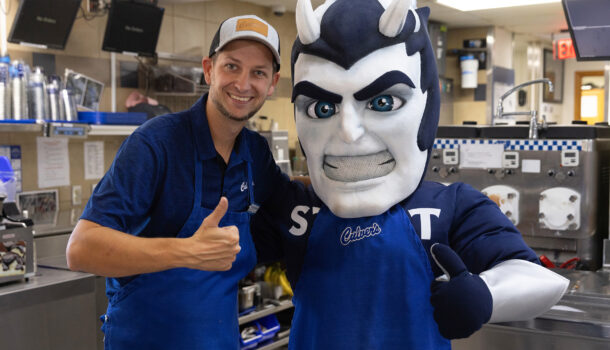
253,25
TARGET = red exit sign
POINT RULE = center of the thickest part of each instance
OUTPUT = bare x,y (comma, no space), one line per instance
564,49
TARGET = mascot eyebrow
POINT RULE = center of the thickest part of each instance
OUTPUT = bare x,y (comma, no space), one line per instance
336,37
314,91
380,84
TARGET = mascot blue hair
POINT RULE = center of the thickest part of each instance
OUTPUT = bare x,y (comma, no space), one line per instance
379,258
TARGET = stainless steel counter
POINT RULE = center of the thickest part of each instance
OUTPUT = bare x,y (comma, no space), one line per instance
55,309
45,283
581,320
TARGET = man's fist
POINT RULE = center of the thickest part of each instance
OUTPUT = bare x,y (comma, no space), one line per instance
463,304
215,248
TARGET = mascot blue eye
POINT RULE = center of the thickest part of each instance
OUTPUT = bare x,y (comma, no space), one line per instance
322,110
385,103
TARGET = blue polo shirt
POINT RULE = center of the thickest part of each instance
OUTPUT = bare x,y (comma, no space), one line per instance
149,189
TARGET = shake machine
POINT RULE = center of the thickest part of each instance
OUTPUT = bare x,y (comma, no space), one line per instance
553,187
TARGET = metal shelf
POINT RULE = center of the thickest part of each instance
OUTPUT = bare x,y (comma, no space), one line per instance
275,344
90,130
272,309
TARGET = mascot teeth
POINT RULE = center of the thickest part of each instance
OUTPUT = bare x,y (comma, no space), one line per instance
358,168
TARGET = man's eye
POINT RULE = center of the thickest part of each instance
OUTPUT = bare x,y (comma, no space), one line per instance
322,110
385,103
230,66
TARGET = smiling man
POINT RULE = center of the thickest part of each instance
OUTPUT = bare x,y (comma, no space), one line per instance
159,225
366,246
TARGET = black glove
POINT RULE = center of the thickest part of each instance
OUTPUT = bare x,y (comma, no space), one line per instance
463,304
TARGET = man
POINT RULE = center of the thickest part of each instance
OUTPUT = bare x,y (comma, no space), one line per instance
362,251
138,103
173,261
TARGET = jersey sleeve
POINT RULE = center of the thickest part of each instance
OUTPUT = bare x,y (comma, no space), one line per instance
270,224
482,235
123,198
281,227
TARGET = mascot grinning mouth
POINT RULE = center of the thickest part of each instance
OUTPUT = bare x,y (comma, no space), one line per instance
358,168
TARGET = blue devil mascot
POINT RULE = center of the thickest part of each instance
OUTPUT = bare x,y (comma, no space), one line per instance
377,257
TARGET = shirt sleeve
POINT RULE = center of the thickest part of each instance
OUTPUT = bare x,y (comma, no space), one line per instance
482,235
123,198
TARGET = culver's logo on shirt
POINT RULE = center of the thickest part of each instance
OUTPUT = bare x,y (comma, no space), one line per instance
350,235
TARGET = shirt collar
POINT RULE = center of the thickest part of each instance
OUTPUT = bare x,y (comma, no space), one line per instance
203,136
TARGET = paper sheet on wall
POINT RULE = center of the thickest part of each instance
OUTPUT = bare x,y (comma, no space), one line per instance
480,156
53,162
588,106
94,159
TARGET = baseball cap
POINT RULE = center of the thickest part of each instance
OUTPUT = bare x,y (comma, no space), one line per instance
249,27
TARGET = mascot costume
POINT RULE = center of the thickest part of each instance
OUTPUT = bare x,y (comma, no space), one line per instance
377,257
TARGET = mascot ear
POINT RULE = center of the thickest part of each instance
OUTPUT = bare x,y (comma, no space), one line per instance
429,123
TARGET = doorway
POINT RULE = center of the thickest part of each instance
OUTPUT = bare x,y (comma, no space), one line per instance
589,88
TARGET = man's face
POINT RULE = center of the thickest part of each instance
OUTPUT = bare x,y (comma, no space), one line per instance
359,128
240,77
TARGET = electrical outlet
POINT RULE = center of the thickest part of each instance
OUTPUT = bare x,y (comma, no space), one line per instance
77,195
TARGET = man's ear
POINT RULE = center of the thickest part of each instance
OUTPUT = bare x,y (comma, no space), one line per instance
207,64
275,79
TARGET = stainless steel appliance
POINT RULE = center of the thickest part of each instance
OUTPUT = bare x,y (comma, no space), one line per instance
278,142
554,188
16,244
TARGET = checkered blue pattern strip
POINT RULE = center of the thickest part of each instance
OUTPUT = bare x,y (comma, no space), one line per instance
514,145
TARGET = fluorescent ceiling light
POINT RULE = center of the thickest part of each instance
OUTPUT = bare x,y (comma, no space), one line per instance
473,5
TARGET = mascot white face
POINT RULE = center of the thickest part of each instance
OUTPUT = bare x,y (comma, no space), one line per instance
359,126
362,152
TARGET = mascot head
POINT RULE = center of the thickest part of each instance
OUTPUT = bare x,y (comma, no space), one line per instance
366,101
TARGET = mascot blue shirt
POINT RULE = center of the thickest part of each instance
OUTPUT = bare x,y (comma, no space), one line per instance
360,245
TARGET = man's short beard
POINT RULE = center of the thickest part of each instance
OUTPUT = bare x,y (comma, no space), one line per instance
230,116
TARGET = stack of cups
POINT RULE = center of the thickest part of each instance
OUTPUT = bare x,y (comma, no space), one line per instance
28,95
470,66
19,79
56,107
5,91
37,95
67,98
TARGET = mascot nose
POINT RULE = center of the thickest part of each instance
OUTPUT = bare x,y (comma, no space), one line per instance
351,127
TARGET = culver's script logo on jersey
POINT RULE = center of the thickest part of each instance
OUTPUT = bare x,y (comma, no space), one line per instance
350,235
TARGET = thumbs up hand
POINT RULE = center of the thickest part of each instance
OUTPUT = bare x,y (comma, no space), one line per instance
214,248
463,303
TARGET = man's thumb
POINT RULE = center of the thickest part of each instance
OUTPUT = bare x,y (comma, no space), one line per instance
214,218
448,260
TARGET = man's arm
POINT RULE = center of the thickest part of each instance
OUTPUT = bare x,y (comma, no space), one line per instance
107,252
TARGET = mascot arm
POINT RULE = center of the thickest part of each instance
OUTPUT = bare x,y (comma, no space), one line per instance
522,290
510,291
